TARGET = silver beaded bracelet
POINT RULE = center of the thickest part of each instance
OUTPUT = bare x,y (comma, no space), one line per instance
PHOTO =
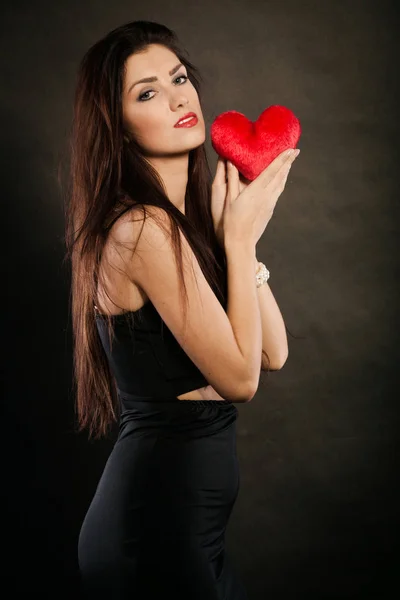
262,274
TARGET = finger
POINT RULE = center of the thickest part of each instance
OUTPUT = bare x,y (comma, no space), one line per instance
282,162
220,173
233,189
287,165
279,183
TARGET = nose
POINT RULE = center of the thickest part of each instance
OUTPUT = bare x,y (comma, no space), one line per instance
179,99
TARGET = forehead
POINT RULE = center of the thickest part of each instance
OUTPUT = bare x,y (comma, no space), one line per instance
147,63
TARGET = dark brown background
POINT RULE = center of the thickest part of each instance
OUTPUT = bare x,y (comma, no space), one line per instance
317,513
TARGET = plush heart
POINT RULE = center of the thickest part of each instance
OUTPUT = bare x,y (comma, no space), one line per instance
251,147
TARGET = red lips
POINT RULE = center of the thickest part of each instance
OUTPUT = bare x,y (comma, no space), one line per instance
252,146
190,114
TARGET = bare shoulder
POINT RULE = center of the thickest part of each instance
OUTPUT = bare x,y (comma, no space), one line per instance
205,333
130,225
125,232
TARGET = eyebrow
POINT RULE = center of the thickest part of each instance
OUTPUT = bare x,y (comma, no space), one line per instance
150,79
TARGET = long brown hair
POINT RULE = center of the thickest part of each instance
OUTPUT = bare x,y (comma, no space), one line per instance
106,178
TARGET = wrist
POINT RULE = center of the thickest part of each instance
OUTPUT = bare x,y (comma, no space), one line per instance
234,245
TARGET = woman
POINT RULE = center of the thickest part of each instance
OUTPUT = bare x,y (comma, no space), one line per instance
142,224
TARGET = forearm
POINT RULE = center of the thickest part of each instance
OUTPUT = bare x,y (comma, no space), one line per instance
274,339
243,308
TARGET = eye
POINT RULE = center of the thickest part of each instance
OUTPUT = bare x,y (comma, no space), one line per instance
141,99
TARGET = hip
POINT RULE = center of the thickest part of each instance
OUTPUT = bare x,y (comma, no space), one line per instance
160,488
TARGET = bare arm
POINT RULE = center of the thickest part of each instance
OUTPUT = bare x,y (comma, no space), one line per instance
274,339
243,307
223,346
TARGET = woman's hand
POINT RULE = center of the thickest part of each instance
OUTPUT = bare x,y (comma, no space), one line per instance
219,191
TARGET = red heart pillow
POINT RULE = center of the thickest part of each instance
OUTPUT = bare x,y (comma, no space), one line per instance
251,147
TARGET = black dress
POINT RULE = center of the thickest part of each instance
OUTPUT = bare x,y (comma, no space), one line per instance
156,525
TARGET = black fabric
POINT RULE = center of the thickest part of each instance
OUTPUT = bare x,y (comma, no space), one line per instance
146,360
156,525
145,357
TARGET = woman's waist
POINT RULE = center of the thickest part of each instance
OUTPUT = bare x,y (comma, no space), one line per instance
169,414
146,403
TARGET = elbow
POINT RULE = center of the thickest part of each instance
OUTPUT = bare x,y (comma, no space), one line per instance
244,392
249,390
274,365
282,361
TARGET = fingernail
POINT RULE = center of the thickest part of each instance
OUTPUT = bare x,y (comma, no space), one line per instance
290,152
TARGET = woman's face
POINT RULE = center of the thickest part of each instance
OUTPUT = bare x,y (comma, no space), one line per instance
151,109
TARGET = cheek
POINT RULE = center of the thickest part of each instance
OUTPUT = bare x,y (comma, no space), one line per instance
147,122
152,129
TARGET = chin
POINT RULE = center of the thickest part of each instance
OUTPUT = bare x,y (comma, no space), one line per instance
200,138
194,142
